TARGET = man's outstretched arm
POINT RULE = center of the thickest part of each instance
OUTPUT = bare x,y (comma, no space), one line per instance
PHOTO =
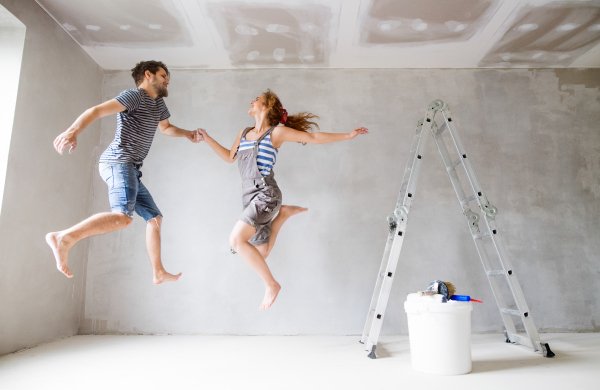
167,128
69,137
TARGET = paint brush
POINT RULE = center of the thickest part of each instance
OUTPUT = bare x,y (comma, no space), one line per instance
445,288
451,289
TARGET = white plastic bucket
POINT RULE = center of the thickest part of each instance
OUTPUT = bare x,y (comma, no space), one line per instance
439,334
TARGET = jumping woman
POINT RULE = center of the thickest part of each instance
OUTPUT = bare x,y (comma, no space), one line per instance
256,148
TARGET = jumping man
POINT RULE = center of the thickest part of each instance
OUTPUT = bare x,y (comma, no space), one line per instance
139,111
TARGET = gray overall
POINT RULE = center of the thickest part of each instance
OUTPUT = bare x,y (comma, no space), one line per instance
261,195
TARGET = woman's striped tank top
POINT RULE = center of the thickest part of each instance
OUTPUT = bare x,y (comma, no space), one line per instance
267,154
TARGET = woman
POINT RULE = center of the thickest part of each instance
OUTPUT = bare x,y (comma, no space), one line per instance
256,148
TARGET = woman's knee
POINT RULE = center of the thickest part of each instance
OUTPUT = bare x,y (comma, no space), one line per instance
240,234
236,240
233,242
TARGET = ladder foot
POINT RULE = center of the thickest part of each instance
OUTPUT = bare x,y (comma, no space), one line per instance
546,350
360,341
372,354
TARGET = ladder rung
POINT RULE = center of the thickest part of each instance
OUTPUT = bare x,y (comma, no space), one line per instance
481,235
455,163
441,130
511,311
492,273
517,338
467,200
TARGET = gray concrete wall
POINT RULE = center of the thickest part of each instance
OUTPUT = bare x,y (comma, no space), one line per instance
532,134
45,191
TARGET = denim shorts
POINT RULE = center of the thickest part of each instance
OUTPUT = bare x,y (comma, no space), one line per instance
126,193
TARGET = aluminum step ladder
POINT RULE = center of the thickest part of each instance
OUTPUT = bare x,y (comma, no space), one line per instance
487,238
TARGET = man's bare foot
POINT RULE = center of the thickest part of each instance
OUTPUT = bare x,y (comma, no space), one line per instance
270,295
288,211
61,252
164,276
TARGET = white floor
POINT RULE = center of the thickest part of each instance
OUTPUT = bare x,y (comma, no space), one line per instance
291,362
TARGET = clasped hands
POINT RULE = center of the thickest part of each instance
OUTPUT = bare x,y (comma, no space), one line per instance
196,135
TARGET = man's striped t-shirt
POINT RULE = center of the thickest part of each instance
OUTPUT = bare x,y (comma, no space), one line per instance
136,127
267,154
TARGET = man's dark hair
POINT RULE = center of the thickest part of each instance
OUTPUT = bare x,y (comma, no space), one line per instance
140,69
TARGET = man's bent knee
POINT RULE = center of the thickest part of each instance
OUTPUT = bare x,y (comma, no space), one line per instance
155,222
124,219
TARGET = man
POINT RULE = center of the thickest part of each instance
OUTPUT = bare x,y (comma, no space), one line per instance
139,111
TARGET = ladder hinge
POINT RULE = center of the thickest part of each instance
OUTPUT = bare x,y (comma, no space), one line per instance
472,217
490,211
392,222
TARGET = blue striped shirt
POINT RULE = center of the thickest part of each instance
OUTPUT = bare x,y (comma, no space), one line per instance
267,154
136,127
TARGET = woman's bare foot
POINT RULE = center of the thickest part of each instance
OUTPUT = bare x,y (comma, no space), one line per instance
61,252
164,276
288,211
270,295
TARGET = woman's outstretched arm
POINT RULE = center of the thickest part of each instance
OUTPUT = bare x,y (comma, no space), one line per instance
283,134
226,154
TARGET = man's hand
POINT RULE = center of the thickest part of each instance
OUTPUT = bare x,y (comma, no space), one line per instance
194,136
67,138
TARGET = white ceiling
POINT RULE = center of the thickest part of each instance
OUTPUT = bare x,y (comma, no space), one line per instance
239,34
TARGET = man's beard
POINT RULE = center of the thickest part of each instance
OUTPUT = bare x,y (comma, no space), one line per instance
160,90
